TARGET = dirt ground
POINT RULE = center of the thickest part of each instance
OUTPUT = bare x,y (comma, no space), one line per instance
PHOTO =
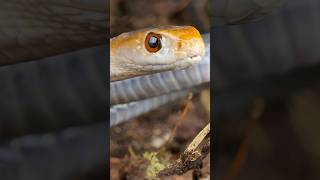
150,133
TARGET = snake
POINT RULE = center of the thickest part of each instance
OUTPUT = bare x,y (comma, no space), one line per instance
18,152
152,50
138,95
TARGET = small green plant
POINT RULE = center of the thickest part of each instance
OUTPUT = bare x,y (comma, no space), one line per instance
157,163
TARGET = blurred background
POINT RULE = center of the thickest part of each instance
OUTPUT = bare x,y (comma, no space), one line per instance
128,15
53,89
266,93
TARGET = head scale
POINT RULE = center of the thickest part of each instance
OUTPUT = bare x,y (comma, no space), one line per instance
156,49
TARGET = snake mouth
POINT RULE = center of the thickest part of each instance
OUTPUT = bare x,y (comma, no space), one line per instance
156,68
183,63
176,65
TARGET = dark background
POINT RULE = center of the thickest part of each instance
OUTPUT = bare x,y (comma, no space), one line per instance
275,62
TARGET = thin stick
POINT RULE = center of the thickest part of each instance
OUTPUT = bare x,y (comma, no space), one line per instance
199,138
192,157
181,118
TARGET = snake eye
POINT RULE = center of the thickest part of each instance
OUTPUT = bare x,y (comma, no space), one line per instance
153,42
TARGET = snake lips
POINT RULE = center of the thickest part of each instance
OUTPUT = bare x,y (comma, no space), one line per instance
154,50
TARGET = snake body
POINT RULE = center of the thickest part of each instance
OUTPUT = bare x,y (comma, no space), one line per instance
35,29
75,151
54,93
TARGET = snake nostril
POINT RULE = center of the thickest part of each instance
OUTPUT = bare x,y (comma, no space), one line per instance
179,45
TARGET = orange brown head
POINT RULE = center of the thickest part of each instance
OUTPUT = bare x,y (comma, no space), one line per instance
154,50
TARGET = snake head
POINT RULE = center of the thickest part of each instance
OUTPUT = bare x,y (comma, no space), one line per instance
154,50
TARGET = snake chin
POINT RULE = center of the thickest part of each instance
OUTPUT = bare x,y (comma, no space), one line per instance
139,70
178,64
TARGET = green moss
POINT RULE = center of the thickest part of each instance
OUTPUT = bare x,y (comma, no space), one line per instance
157,163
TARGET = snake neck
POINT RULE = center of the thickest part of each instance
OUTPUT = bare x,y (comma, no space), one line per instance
118,72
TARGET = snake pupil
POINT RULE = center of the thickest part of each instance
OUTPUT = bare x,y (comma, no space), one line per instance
153,42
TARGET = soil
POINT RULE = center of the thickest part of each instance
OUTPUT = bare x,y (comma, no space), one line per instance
149,133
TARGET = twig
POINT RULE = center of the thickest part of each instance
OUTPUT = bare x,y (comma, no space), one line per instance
199,138
192,157
181,118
